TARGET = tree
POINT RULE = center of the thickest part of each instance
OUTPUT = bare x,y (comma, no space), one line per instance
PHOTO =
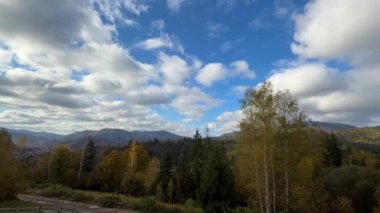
88,158
333,156
10,177
135,162
273,140
151,174
108,173
198,159
356,183
90,153
182,177
164,177
60,164
216,186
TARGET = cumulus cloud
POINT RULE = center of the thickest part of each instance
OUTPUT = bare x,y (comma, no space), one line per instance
214,72
163,41
339,29
175,69
227,122
68,73
328,31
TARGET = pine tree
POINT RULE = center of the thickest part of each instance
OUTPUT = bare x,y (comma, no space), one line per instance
333,156
89,159
216,187
164,177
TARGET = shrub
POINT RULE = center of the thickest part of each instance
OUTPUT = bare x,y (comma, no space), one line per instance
148,204
110,201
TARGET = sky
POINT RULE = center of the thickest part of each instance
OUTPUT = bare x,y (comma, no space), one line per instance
181,65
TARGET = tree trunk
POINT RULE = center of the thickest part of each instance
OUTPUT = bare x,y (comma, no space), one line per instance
266,181
256,171
286,178
273,180
80,166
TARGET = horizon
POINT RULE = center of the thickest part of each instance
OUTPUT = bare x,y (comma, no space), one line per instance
179,65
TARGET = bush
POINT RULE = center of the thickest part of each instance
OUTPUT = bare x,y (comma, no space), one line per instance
59,191
148,204
111,201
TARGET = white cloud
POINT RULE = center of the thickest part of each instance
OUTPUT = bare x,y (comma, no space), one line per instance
174,5
211,73
309,80
114,90
157,42
241,68
343,30
175,70
214,72
240,90
191,102
113,10
227,122
339,29
163,41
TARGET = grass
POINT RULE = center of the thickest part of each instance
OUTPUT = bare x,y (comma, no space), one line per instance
16,203
111,200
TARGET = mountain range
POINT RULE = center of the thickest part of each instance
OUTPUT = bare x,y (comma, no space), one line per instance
100,137
119,136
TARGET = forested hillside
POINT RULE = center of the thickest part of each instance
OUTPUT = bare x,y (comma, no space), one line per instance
276,163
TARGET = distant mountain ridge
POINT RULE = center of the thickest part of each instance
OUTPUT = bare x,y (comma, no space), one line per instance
100,137
331,127
117,136
325,126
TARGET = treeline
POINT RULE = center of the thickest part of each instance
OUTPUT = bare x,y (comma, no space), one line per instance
277,164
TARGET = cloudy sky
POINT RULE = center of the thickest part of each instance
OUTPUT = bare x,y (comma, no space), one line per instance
178,65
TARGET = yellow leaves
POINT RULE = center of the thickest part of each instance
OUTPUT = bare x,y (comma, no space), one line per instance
22,143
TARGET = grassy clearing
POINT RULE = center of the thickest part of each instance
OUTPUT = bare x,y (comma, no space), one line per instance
16,203
111,200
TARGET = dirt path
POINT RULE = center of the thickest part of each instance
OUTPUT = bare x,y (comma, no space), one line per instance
79,207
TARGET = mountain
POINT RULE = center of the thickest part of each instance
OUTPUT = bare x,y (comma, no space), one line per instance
366,135
117,136
100,137
325,126
331,127
35,139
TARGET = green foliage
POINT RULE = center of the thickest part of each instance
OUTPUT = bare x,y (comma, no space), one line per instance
62,192
216,185
10,177
356,183
111,201
333,156
108,172
89,159
60,164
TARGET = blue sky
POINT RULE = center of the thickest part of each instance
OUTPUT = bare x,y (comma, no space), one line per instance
179,65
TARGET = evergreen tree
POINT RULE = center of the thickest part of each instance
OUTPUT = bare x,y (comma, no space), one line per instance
182,179
333,157
216,187
197,156
164,177
89,159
